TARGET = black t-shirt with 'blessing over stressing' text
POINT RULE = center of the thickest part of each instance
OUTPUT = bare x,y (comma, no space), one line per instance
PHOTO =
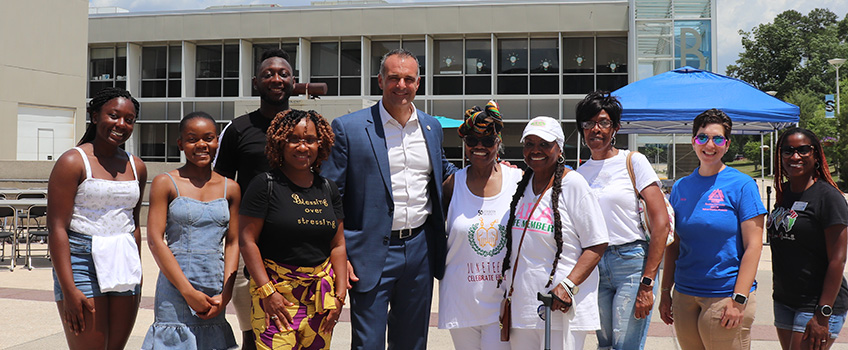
299,222
798,245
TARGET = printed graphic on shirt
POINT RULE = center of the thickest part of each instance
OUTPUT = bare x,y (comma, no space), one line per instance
541,222
715,202
487,239
313,211
782,217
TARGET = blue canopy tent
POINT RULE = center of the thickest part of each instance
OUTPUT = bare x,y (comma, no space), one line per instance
667,103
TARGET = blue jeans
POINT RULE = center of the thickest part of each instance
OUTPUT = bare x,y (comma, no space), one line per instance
786,317
620,271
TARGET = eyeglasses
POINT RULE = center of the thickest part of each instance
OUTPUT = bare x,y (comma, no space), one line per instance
803,150
603,123
718,140
488,141
309,141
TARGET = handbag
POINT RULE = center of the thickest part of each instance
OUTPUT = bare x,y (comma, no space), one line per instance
505,317
644,218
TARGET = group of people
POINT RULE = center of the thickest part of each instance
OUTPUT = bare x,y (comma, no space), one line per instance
289,217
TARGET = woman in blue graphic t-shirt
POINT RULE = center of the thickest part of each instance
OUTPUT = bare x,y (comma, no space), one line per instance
712,265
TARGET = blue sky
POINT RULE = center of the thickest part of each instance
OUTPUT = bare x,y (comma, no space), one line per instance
732,15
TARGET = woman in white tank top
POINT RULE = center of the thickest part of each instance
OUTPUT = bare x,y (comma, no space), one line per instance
478,199
93,202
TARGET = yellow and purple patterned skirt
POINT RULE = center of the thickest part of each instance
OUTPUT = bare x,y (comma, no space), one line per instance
311,290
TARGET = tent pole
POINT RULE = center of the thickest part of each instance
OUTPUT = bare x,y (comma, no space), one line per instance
771,152
762,160
673,157
578,148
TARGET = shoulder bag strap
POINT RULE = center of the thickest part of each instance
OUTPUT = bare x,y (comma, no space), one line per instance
520,243
632,176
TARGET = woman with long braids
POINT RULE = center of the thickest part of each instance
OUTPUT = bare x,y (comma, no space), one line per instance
709,275
93,203
630,263
292,238
557,236
808,242
477,198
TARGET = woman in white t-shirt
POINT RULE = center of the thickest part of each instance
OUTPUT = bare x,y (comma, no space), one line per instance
477,198
557,236
630,263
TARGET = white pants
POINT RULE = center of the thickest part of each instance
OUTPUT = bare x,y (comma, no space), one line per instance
530,339
241,298
486,337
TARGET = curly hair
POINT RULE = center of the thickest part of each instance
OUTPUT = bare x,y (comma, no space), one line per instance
96,104
556,192
821,172
712,116
283,125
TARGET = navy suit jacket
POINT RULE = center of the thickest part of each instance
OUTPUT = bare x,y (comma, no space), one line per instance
359,164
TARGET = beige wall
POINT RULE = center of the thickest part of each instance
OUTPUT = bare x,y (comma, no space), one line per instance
392,19
43,62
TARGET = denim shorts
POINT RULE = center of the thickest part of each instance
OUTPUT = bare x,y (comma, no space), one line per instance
82,265
788,318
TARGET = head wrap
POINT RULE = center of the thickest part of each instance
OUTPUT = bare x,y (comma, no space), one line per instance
482,122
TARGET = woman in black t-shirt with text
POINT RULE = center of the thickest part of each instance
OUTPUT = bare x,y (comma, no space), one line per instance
808,236
292,240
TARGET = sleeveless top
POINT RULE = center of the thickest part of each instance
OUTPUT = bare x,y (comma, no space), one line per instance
194,233
476,226
103,209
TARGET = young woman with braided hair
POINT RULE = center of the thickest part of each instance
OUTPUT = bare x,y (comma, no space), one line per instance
557,236
292,238
477,198
93,201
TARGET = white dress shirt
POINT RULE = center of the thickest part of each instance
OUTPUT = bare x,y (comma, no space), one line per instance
409,164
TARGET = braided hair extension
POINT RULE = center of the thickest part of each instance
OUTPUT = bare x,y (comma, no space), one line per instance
283,125
522,185
556,192
96,104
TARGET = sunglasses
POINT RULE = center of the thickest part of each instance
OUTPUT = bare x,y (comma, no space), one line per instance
718,140
488,141
803,150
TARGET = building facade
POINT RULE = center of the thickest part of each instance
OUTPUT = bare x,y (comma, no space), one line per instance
534,58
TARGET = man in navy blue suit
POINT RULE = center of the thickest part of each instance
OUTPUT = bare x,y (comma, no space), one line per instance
389,165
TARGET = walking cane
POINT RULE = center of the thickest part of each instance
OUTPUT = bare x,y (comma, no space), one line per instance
546,300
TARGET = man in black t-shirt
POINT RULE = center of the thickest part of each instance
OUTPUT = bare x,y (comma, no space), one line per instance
241,153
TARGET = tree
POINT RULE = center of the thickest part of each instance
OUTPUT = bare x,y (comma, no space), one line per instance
790,56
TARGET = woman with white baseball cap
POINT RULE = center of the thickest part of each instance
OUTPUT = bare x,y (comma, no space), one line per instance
556,237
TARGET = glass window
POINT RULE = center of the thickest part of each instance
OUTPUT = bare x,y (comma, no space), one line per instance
449,56
156,78
107,68
612,55
217,70
417,49
478,56
578,55
544,56
291,49
152,138
512,56
175,62
209,61
325,59
351,59
153,62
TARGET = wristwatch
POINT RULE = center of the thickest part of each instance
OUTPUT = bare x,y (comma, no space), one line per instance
647,281
825,310
570,285
739,298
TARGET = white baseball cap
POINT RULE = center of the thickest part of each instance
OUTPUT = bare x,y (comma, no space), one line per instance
546,128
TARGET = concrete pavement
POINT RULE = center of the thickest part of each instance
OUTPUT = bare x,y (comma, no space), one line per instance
29,318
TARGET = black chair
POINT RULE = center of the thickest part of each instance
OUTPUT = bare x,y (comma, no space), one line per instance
7,229
36,232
